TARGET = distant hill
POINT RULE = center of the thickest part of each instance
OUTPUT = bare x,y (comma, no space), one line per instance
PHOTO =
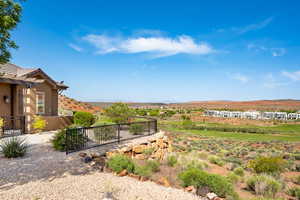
131,104
69,104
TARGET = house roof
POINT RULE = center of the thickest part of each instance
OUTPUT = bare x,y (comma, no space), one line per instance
11,73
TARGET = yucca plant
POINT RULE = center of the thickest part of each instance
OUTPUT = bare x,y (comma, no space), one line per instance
13,147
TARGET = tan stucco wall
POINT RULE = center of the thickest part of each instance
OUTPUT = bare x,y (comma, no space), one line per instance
57,122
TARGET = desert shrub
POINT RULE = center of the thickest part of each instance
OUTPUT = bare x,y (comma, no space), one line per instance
153,165
1,126
118,112
297,180
13,147
294,192
39,123
143,170
59,140
136,129
216,183
233,178
85,119
269,165
262,198
297,156
239,171
191,160
171,160
105,133
119,162
188,124
264,185
215,160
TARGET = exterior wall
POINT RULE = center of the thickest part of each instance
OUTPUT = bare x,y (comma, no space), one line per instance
57,122
5,108
49,104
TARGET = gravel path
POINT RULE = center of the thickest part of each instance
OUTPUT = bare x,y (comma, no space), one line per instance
47,174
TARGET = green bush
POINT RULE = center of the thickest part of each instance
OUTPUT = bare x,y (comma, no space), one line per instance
239,171
13,147
153,165
215,160
233,178
143,170
136,129
85,119
105,133
59,140
264,185
117,163
188,124
297,180
118,112
268,165
295,192
216,183
171,160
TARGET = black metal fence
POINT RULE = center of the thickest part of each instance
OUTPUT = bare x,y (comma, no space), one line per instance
88,137
12,126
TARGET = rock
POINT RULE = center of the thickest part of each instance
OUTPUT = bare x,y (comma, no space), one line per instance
87,159
82,154
95,155
202,191
140,156
211,196
110,154
190,189
125,149
142,178
163,181
123,173
109,196
134,176
139,148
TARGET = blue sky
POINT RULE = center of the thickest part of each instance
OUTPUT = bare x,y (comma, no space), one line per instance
169,51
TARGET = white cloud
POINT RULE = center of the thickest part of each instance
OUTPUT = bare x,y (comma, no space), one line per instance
271,82
252,27
240,77
295,76
158,46
75,47
273,51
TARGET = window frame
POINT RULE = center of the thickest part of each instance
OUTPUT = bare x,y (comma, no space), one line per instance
37,102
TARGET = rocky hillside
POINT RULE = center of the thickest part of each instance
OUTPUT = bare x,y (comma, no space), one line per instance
68,104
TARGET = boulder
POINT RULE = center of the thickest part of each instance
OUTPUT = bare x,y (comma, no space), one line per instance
211,196
82,154
139,148
190,189
163,181
140,156
123,173
134,176
87,159
202,191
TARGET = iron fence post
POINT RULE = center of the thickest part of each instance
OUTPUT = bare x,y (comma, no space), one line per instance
67,141
119,127
149,128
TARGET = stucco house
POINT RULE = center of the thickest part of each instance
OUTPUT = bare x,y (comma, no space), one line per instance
26,92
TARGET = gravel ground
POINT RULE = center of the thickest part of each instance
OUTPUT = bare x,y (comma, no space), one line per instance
93,186
47,174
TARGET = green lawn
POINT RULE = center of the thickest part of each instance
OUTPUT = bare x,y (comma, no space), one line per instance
242,136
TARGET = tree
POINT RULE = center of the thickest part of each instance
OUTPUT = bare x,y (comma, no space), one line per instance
10,13
118,112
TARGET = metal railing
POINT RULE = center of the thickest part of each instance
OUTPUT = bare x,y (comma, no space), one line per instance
88,137
12,126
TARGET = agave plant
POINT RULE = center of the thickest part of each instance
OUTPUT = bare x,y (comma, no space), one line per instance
13,147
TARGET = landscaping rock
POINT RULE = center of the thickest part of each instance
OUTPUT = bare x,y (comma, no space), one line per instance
202,191
123,173
109,196
140,156
190,189
87,159
139,148
134,176
163,181
211,196
82,154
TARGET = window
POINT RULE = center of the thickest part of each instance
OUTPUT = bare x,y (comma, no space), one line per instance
40,103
